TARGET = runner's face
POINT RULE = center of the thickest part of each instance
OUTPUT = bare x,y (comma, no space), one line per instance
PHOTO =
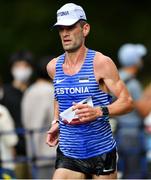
72,37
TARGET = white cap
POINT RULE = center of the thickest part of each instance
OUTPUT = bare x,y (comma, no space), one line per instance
69,14
130,54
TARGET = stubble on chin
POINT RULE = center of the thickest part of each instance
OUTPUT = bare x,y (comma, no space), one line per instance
70,49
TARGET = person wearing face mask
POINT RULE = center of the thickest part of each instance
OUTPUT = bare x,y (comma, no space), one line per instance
21,74
130,128
21,68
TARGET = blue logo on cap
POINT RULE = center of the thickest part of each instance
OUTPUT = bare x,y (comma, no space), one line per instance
63,13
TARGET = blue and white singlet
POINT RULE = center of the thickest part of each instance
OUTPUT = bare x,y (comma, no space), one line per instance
92,138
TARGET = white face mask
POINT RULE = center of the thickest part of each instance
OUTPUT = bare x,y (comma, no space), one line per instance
21,74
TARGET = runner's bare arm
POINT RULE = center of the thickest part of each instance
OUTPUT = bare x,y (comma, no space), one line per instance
106,71
51,70
53,133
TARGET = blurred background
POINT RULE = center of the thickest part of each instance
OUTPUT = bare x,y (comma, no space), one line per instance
26,28
26,24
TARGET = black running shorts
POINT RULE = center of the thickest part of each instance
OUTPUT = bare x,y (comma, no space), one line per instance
103,164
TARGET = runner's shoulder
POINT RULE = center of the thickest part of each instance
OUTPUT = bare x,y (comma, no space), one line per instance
51,67
101,59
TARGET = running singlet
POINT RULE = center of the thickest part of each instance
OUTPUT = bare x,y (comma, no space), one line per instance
92,138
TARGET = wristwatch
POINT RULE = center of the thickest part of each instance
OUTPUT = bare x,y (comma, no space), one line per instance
54,121
104,110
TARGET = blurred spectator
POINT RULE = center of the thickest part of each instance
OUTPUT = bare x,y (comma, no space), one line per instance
37,111
147,123
130,129
8,139
21,67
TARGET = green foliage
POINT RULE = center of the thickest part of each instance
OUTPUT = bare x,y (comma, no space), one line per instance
26,24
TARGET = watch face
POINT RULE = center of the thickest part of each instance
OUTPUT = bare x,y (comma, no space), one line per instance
105,110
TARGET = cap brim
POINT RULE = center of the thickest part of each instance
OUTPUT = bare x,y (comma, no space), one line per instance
68,22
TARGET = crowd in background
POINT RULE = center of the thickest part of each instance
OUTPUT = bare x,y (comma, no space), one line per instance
27,106
26,112
130,133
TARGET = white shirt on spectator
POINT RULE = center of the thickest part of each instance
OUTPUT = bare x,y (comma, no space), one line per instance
8,138
37,112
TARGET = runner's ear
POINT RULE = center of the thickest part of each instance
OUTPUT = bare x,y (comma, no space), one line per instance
86,29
